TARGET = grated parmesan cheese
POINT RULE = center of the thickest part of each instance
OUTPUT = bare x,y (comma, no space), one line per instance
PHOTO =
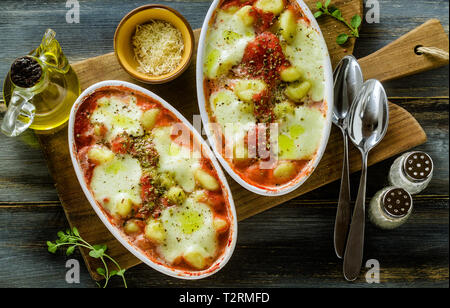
158,47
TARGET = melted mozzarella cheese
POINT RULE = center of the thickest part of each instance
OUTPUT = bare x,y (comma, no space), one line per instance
227,40
234,116
307,54
300,133
188,228
119,115
117,180
175,159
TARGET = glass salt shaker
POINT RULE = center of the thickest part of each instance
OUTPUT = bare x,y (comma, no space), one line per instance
412,171
390,207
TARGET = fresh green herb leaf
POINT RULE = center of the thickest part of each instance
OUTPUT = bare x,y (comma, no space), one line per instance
101,271
75,231
51,247
96,253
112,273
101,247
355,22
342,38
121,272
61,235
337,14
318,14
73,239
70,250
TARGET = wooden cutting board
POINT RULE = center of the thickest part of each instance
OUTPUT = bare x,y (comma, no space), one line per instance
404,133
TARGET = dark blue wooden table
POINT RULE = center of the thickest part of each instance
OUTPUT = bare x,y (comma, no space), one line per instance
288,246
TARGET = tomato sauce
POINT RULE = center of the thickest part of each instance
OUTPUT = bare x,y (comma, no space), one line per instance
82,127
263,21
264,58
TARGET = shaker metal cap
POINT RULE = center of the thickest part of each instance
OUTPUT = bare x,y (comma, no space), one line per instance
397,202
418,166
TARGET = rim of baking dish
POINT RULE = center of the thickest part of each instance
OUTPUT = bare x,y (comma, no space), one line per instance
328,98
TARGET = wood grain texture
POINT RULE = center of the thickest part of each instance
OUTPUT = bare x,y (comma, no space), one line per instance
404,133
23,172
399,58
287,246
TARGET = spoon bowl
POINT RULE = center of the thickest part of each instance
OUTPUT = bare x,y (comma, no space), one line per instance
368,119
348,79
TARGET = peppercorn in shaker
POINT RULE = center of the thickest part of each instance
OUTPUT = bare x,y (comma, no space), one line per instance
390,207
412,171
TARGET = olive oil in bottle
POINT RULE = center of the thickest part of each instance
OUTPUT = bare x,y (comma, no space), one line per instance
42,88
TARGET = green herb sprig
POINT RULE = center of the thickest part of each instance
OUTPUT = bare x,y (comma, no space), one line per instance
355,22
73,239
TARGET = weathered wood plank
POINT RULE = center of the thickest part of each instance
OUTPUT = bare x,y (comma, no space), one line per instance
24,175
31,180
399,59
396,19
293,247
26,21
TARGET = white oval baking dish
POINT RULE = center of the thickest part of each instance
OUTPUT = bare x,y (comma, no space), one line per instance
165,269
328,97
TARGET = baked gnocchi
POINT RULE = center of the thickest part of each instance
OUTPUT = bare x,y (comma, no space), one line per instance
155,186
263,67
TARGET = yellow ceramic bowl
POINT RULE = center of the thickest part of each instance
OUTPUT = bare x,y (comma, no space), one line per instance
144,14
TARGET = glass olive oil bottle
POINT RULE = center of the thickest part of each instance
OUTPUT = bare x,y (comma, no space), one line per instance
40,89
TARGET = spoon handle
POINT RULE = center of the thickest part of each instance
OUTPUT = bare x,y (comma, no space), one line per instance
343,210
355,242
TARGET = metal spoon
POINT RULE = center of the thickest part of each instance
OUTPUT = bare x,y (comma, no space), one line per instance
367,124
348,80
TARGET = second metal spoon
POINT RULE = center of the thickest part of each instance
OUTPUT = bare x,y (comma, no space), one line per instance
367,124
348,80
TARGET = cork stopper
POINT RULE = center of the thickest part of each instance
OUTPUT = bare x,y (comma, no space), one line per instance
397,202
25,72
418,166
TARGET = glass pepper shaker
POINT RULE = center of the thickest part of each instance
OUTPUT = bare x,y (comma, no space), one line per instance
390,207
412,171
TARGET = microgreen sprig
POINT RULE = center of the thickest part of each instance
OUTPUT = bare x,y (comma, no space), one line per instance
73,239
355,22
